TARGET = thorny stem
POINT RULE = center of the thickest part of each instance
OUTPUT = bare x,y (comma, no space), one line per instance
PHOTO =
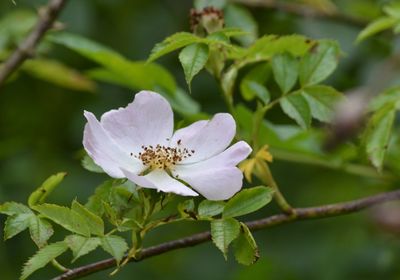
324,211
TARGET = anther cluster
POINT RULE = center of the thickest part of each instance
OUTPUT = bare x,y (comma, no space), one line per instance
162,157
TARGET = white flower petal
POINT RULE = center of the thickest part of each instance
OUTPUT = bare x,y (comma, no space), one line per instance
160,180
210,139
228,158
148,120
187,132
105,152
213,184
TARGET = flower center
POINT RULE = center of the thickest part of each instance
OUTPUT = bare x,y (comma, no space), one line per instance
162,157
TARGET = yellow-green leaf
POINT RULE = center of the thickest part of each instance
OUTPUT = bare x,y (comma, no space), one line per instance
94,222
65,217
377,26
286,69
297,108
193,58
15,224
246,249
59,74
43,257
223,232
377,134
40,194
319,62
81,245
247,201
114,245
40,230
208,208
14,208
322,101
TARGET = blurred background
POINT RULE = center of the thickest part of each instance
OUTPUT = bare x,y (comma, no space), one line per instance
41,125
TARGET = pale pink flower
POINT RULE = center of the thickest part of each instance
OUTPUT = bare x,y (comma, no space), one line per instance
138,143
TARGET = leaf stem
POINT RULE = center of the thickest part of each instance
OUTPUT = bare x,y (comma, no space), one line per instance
59,266
266,176
258,122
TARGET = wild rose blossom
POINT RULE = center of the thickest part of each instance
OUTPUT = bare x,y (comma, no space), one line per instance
137,142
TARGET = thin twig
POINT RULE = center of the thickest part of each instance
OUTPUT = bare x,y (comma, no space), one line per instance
300,214
303,11
28,46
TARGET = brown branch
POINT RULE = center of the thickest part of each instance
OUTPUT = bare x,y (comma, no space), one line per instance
299,214
28,46
303,11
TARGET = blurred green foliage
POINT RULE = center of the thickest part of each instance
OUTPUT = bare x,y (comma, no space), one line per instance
41,126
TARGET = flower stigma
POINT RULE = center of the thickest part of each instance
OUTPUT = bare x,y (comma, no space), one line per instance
162,157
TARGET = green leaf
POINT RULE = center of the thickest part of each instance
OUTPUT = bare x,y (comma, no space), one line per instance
81,245
286,70
240,17
246,249
102,193
247,201
43,257
90,49
250,88
65,217
114,245
388,97
193,58
377,26
321,100
296,107
88,163
267,46
14,208
15,224
319,62
111,214
140,75
252,84
94,222
392,9
59,74
209,208
172,43
40,194
40,230
377,134
223,232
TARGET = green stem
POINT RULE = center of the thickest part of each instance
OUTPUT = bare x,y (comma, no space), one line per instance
258,122
266,176
59,266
